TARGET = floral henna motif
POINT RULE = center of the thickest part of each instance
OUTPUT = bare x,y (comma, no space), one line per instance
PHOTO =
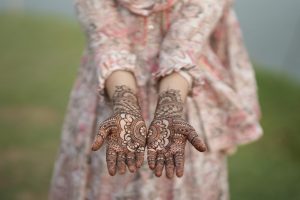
125,133
168,134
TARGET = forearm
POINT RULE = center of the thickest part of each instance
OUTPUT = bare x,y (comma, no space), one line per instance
167,150
118,78
125,131
174,81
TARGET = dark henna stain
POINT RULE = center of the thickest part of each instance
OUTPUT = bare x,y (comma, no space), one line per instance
125,133
168,134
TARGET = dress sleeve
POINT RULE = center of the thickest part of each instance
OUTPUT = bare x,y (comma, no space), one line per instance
107,37
187,35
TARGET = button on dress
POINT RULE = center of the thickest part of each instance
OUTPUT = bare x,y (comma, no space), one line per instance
151,39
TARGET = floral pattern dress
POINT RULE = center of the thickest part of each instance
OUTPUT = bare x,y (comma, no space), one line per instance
153,38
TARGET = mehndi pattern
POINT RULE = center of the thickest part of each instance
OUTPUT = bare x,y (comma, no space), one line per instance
168,134
125,133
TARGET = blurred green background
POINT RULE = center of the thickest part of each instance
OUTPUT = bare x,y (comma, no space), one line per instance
39,57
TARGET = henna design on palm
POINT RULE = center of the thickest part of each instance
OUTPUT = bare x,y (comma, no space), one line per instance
167,136
125,133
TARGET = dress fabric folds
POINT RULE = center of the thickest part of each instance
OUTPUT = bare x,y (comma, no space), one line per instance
151,39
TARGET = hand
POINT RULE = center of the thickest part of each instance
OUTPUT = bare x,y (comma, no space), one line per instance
125,133
168,134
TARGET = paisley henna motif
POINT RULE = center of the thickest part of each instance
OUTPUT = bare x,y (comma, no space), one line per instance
168,134
125,133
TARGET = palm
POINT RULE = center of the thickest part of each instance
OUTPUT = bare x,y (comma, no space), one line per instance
166,144
125,133
167,136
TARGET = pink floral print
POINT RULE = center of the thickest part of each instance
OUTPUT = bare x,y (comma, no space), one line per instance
153,38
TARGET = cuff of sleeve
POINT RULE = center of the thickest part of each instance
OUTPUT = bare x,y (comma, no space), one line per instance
113,61
188,78
177,61
182,71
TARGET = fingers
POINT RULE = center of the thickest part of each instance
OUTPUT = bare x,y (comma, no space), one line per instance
121,163
196,141
169,166
111,161
118,161
179,163
100,137
170,162
130,159
159,164
151,157
139,159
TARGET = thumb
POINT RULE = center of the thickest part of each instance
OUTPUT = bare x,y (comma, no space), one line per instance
100,137
195,140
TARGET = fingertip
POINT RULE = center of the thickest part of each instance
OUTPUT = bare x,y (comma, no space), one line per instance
170,175
159,168
139,164
132,168
169,166
97,143
151,163
179,164
204,148
152,166
179,174
111,161
158,173
122,171
139,159
151,157
95,147
199,145
112,171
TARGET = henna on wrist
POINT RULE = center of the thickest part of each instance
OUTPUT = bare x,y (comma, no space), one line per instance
125,101
125,133
168,134
169,104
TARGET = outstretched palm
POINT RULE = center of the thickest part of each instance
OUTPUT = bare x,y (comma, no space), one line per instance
125,133
168,134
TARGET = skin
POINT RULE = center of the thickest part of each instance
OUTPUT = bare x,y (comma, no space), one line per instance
170,156
168,83
120,78
118,154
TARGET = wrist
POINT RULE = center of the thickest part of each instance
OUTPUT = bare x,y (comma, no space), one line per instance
119,78
175,81
125,100
169,104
